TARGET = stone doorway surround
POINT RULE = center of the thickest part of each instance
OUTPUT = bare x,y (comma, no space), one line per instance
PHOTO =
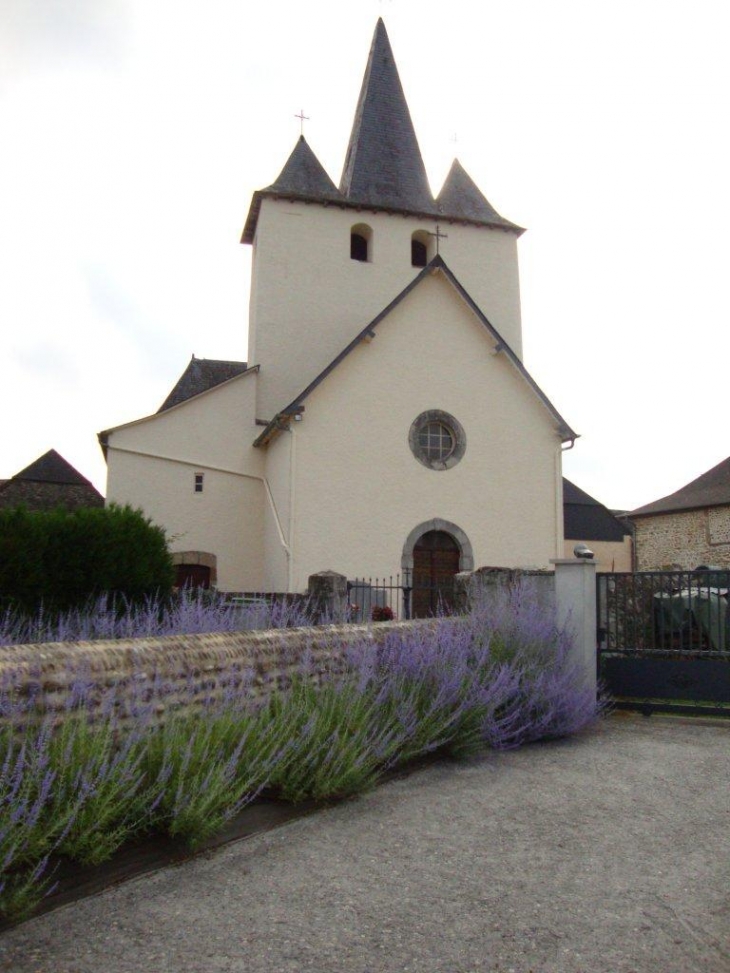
466,554
198,558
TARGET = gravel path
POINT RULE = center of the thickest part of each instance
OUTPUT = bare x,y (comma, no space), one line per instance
605,853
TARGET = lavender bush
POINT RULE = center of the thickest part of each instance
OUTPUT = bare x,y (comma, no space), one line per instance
28,830
189,612
208,767
500,676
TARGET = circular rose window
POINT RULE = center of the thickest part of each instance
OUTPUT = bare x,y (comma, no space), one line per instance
437,440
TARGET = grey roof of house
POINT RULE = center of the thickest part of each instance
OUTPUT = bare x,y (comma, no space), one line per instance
51,467
461,198
383,168
200,375
711,489
281,419
585,519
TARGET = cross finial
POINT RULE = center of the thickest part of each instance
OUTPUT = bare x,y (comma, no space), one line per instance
302,119
439,236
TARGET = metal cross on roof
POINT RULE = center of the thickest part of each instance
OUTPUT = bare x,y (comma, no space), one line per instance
439,236
302,119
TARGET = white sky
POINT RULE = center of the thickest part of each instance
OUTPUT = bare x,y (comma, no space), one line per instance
135,131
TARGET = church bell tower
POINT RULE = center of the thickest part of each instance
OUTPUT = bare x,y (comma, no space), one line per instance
328,259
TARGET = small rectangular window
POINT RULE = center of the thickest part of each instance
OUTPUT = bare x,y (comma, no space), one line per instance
198,482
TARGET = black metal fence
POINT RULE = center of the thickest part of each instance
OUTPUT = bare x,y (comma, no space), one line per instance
664,640
671,613
399,597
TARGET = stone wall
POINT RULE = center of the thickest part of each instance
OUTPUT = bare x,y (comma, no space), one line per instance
47,496
684,539
178,671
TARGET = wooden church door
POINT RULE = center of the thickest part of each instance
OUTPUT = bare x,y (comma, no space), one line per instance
435,562
192,576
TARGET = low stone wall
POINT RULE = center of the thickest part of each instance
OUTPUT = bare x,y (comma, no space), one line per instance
175,671
487,583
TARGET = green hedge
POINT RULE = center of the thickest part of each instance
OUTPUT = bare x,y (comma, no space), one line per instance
61,558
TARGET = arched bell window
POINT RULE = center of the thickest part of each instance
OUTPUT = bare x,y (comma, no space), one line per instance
361,236
420,248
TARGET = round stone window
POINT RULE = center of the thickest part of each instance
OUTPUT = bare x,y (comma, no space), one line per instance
437,440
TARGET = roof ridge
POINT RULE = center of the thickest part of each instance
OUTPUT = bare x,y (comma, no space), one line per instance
709,489
51,467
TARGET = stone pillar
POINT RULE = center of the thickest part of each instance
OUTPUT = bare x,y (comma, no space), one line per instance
575,602
327,594
462,592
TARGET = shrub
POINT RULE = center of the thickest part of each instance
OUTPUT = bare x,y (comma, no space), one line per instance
59,559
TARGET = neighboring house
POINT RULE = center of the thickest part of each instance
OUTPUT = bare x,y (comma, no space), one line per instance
385,421
689,528
587,521
48,483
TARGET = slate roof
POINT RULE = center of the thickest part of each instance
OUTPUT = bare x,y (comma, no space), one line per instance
383,168
200,375
51,467
281,419
49,482
461,198
303,177
711,489
585,519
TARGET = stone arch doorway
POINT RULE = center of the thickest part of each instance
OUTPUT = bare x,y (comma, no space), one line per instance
195,569
434,553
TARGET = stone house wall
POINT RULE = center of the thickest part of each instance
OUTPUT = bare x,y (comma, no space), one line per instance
683,539
36,495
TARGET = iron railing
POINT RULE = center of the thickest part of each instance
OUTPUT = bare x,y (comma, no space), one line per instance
398,597
671,613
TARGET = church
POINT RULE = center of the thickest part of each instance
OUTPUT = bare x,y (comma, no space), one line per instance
383,420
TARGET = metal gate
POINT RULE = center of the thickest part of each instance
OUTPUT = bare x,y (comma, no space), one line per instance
664,640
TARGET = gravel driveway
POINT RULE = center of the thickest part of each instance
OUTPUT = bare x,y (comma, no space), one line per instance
605,853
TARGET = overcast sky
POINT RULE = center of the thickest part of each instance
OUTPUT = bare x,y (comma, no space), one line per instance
135,131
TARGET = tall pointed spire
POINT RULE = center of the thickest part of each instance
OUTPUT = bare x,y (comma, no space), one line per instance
383,166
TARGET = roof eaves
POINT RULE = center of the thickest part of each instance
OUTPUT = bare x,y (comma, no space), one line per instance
675,508
249,230
434,266
567,434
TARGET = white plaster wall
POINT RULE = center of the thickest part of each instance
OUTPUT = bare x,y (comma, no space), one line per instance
225,519
359,490
279,456
309,299
152,465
